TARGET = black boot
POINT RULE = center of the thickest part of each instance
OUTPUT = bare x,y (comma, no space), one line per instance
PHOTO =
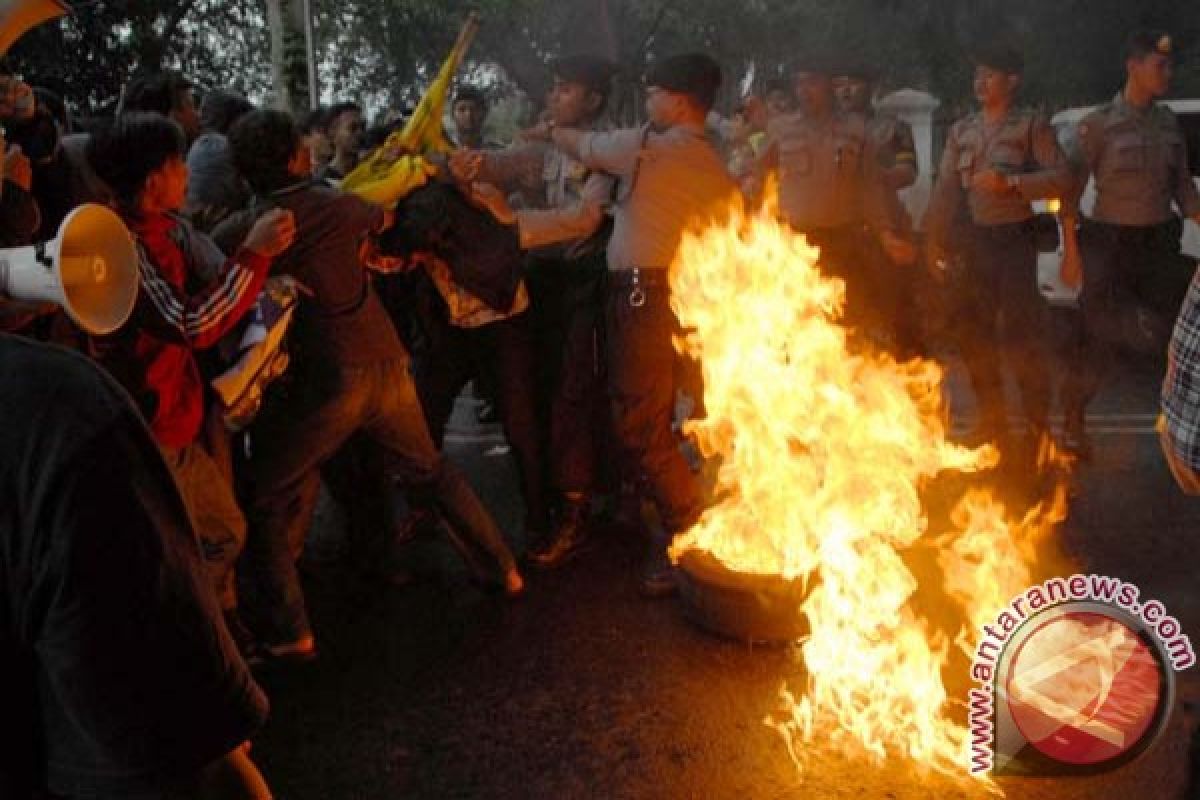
658,573
568,538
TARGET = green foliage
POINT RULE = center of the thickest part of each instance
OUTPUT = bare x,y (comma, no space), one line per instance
385,51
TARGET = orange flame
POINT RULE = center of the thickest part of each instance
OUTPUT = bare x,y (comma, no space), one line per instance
822,450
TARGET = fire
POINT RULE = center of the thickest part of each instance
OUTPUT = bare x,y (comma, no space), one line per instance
823,447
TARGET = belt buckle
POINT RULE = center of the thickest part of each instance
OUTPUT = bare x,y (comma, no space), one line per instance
637,297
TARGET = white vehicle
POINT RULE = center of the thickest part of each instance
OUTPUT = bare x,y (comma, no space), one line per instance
1067,124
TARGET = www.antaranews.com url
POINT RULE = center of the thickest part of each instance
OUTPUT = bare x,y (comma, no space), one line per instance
1048,594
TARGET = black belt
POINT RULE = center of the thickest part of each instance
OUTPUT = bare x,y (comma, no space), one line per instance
1162,235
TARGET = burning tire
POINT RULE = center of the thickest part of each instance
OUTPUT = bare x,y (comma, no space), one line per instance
741,606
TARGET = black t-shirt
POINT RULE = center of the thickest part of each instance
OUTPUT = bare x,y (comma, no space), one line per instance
116,672
342,319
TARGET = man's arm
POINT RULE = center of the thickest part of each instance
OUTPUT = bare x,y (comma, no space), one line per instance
512,168
1082,154
946,197
538,228
614,152
1053,178
202,318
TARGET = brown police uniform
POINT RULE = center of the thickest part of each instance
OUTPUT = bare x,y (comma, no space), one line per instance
1000,251
666,181
1130,244
830,190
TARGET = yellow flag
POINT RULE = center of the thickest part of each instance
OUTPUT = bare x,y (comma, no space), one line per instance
398,167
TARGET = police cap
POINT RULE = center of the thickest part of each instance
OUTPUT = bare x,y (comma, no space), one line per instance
1148,42
695,74
1001,57
592,72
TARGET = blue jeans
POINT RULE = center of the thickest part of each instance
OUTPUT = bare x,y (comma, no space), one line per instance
296,434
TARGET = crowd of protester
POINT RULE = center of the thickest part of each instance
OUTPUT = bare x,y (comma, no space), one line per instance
104,607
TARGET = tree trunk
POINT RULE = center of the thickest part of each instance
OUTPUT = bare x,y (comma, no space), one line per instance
280,97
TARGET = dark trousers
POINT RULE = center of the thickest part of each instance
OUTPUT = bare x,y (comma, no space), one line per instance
1003,317
296,434
873,291
503,351
566,307
1125,269
639,326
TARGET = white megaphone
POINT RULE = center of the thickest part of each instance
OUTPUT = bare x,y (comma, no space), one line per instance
90,269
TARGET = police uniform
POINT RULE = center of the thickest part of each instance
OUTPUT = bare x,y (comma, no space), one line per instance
830,190
1000,251
1130,244
666,181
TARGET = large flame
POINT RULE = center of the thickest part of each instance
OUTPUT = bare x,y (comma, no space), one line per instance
823,447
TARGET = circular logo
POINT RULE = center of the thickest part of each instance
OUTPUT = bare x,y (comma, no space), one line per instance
1086,687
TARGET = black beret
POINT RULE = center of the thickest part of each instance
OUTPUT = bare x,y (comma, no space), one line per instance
695,74
1001,57
471,94
592,72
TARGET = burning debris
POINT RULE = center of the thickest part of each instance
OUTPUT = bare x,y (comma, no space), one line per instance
824,447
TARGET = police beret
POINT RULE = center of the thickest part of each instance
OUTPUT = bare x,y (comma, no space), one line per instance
695,74
1144,42
1001,57
592,72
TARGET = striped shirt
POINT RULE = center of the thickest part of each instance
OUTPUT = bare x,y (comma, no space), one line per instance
190,296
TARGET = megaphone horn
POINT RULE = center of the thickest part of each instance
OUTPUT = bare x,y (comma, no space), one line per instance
18,16
90,269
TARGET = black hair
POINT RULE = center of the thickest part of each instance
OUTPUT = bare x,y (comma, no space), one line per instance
470,94
132,147
53,103
337,109
1142,43
221,108
154,91
315,120
263,142
1000,56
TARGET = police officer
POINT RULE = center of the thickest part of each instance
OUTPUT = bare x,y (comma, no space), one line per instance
829,188
891,140
998,160
567,233
669,177
1135,151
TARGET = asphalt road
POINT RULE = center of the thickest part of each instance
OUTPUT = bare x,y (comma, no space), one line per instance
583,689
